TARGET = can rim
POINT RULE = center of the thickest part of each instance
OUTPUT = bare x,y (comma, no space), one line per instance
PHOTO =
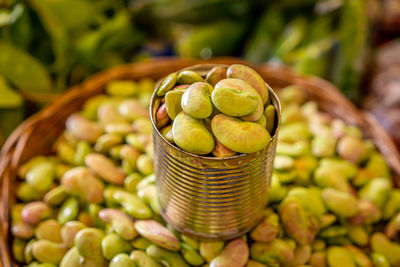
205,68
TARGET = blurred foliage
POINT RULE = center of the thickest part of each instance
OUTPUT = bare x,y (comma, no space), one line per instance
48,45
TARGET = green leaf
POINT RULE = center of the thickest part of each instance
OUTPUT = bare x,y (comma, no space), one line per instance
10,118
115,37
9,98
219,38
21,32
23,70
62,19
67,14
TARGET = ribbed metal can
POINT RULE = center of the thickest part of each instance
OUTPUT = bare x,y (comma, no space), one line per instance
209,197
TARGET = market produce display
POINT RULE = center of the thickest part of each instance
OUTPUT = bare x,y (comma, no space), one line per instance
226,112
94,203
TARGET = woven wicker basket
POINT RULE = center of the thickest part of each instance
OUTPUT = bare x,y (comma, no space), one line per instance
37,134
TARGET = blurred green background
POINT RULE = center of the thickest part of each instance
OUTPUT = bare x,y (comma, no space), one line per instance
48,45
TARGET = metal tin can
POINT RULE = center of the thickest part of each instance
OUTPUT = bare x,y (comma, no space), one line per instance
209,197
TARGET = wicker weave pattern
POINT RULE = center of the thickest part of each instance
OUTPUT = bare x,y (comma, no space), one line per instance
37,134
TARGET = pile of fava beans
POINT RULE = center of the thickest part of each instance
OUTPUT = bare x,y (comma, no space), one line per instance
94,202
224,113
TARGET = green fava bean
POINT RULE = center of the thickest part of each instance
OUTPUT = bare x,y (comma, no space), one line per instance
252,77
392,204
83,129
35,264
221,151
28,251
239,136
162,117
194,243
122,260
236,253
69,231
149,195
55,196
341,203
273,253
18,248
343,167
27,193
105,168
167,84
268,229
189,77
83,148
132,109
113,245
66,152
339,256
293,132
269,114
358,234
310,199
379,260
210,249
81,183
351,148
173,259
196,100
106,141
24,168
252,263
68,211
34,212
234,102
262,121
167,133
48,252
108,113
361,259
141,243
377,191
173,100
243,86
141,259
122,88
71,258
323,146
132,204
131,182
187,132
145,164
41,176
94,210
49,230
191,255
318,259
120,222
383,245
325,177
158,234
301,255
88,243
215,75
297,223
276,191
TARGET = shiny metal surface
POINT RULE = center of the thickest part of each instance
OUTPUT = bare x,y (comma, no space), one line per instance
207,197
